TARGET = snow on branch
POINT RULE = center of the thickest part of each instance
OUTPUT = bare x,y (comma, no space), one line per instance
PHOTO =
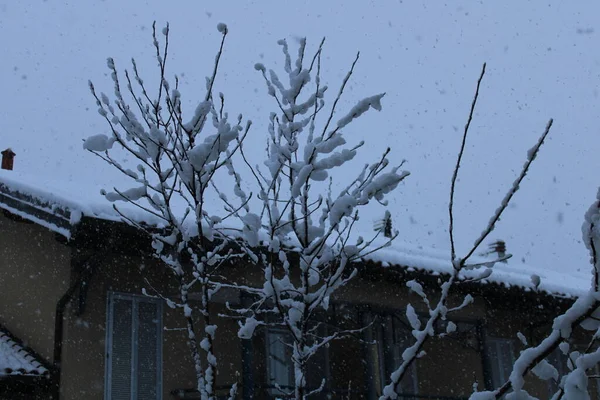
531,154
584,313
440,310
309,251
178,156
591,235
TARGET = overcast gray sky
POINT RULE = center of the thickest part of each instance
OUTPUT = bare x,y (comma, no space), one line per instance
543,62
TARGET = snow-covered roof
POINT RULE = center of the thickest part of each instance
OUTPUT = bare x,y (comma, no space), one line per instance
67,204
510,273
15,359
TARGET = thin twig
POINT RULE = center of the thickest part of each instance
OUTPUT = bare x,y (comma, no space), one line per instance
457,167
338,97
531,155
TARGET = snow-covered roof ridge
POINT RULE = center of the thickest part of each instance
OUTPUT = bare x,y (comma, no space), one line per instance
16,359
68,204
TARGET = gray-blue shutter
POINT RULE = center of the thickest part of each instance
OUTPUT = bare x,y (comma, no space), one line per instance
121,347
148,351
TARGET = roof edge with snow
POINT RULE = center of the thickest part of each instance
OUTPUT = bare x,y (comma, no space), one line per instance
51,215
62,212
18,360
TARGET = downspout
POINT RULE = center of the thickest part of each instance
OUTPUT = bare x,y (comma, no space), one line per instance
58,336
61,305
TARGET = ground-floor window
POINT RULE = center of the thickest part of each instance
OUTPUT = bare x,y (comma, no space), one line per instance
560,361
501,357
280,369
279,365
133,348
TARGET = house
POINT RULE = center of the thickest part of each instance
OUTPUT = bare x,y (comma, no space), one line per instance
74,323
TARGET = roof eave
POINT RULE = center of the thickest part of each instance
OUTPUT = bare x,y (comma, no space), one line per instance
55,218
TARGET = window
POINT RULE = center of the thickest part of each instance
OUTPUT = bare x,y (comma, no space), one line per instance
560,361
501,357
387,338
133,348
594,391
280,370
280,367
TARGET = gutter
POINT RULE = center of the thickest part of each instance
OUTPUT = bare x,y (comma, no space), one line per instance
51,216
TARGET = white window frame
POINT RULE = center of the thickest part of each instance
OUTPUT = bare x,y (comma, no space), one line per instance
500,344
135,300
280,334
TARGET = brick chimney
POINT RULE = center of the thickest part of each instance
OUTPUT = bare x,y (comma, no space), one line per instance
8,157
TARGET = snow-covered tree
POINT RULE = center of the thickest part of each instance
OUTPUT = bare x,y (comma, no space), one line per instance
178,156
308,218
439,310
300,228
584,313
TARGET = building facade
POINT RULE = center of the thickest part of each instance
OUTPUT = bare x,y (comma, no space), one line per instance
71,290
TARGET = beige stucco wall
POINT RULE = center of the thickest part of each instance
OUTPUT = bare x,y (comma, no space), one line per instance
84,355
449,367
34,274
35,271
84,352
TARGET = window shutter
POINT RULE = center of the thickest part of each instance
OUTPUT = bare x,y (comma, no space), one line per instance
120,353
147,354
133,348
